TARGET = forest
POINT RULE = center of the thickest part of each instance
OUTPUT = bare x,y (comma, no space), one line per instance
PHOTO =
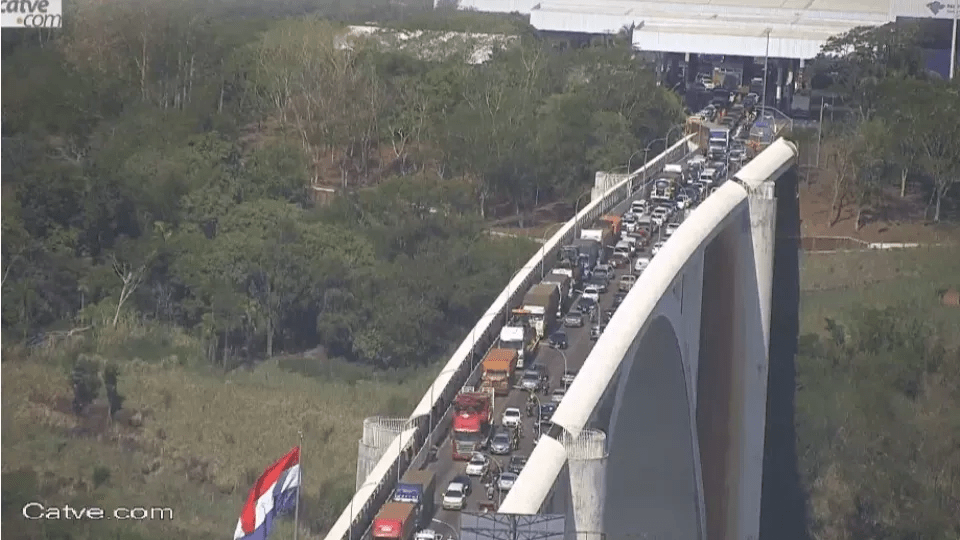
889,130
162,165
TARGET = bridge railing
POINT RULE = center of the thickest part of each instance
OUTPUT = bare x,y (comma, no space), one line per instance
464,365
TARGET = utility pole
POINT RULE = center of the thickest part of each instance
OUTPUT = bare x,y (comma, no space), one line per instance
953,40
766,68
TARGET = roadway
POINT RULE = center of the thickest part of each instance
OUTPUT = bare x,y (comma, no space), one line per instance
555,362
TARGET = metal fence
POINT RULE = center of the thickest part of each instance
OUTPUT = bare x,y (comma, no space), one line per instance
463,366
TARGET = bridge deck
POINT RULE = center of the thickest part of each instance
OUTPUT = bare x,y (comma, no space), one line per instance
556,362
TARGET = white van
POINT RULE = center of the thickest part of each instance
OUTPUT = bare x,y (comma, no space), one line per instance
673,168
623,248
638,207
592,292
709,176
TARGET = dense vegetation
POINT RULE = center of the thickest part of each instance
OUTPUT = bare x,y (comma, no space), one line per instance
163,169
893,127
878,390
878,368
193,187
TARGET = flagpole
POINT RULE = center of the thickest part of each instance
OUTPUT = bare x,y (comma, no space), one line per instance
296,509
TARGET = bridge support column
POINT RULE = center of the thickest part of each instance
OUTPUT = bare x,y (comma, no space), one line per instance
378,433
587,464
763,221
754,369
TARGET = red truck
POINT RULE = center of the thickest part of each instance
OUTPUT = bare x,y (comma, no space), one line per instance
395,521
472,413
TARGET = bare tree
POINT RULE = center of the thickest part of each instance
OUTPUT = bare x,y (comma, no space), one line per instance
840,154
131,276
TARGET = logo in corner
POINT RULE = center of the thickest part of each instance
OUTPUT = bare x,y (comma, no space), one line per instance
936,7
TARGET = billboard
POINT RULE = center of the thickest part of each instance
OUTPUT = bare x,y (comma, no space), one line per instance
925,9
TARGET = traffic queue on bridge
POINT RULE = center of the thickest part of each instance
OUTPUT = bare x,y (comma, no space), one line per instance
609,255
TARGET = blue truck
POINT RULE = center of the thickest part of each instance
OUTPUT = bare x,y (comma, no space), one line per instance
418,488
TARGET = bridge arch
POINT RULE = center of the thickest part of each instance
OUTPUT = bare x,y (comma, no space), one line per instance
656,451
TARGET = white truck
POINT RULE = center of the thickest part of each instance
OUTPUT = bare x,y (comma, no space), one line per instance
673,168
520,336
540,305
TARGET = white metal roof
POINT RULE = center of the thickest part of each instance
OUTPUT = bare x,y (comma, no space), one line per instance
429,45
797,28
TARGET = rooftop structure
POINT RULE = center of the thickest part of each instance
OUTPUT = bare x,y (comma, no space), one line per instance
776,28
430,45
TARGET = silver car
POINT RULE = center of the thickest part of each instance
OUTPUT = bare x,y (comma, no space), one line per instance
506,481
501,444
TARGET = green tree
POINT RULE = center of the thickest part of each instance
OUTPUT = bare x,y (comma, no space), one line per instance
85,380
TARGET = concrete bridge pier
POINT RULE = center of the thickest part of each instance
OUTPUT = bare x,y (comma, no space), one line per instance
587,465
734,364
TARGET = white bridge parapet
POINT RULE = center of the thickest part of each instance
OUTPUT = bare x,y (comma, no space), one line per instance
685,456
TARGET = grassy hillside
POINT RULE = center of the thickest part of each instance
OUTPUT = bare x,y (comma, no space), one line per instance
189,439
878,394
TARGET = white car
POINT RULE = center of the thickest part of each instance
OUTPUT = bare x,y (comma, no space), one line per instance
557,395
506,481
592,292
671,228
659,216
455,497
638,207
478,465
656,247
641,264
511,417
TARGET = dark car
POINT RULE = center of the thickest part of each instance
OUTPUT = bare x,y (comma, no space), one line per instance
465,480
586,306
573,320
501,444
558,340
607,315
618,299
530,380
516,464
544,427
600,283
546,412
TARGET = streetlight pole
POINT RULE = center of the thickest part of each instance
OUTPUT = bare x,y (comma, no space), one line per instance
400,446
645,161
456,535
496,482
565,365
823,104
543,248
630,161
537,419
766,69
576,211
678,126
350,537
432,400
